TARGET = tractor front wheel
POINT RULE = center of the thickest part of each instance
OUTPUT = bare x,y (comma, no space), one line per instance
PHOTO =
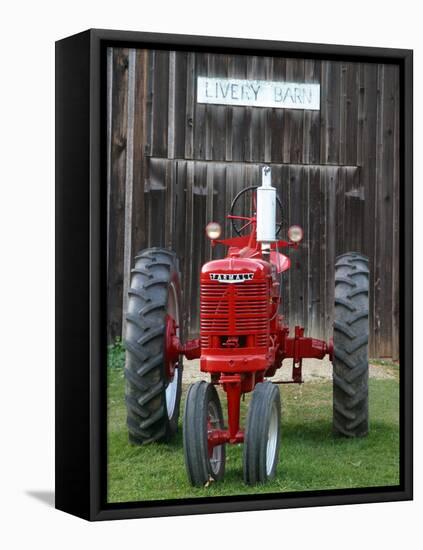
203,414
350,346
262,434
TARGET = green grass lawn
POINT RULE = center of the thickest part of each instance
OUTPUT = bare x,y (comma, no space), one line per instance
311,457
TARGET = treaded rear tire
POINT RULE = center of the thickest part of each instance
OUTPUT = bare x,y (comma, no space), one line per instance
350,338
154,283
265,403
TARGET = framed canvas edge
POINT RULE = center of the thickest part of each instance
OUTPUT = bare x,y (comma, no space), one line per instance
72,256
96,508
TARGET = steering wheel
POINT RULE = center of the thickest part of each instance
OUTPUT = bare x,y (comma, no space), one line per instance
240,222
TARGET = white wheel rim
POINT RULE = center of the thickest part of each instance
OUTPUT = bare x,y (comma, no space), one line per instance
216,458
172,387
272,439
171,391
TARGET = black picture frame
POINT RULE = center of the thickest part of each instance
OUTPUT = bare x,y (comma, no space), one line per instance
81,290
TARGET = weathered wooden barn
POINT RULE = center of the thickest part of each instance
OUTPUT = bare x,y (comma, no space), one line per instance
175,164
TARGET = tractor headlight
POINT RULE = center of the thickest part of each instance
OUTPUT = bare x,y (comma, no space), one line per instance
295,233
213,230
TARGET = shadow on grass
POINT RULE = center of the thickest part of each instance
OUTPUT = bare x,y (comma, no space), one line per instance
320,431
312,434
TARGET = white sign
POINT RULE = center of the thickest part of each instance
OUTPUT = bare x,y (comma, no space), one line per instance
258,93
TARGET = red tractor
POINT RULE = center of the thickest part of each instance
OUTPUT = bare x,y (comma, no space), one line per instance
243,341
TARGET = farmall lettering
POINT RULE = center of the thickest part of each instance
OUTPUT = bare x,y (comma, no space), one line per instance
258,93
231,277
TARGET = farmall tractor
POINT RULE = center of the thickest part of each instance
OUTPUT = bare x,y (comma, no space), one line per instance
243,341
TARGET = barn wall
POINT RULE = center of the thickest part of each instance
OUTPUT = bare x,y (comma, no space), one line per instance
174,165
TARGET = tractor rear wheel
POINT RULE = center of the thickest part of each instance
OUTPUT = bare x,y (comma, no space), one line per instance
350,346
203,413
153,391
262,434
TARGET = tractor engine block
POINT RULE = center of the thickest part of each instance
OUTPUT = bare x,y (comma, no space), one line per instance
237,303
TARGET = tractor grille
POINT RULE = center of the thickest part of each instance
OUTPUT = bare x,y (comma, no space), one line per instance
234,310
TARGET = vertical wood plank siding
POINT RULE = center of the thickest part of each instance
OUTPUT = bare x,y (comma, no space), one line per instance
175,164
116,215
